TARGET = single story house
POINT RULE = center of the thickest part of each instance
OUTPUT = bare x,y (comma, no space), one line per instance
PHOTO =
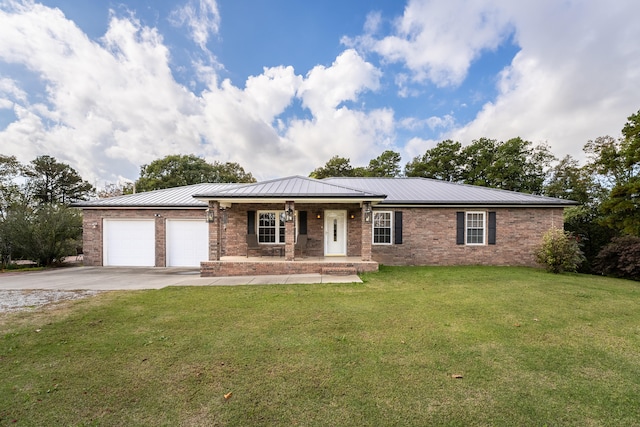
301,225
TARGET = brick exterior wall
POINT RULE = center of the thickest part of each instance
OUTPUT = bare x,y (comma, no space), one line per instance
429,238
235,229
92,224
429,234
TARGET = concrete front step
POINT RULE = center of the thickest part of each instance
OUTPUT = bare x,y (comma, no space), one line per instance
266,267
339,271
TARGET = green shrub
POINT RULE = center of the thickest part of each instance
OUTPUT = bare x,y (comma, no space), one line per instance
559,251
620,258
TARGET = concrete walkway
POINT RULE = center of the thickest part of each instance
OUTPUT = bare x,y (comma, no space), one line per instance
133,278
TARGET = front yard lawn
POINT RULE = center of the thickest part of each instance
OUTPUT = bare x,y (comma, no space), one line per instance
411,346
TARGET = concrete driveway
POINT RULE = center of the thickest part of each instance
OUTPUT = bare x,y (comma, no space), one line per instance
132,278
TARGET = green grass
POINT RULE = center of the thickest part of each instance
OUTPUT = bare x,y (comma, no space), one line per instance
533,349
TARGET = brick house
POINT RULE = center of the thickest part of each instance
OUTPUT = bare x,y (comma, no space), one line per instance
300,225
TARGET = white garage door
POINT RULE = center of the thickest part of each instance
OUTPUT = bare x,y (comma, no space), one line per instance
187,242
129,242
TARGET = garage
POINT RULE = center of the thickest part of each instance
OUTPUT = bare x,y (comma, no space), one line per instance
129,242
187,242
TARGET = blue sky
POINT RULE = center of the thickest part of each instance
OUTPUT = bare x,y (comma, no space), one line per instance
281,86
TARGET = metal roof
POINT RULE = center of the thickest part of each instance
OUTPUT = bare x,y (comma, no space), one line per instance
169,197
425,191
385,191
293,187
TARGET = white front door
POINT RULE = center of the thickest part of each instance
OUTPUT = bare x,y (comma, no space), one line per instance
335,233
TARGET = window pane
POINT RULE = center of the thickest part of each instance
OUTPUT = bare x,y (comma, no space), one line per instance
267,227
281,228
475,228
382,227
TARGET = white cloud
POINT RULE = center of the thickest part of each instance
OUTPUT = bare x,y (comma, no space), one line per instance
326,87
201,16
570,82
438,40
576,76
112,105
445,122
9,88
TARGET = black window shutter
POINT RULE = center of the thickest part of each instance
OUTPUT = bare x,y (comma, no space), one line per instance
492,228
251,222
302,222
460,228
397,228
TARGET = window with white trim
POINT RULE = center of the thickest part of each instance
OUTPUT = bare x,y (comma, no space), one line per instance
271,226
382,228
475,228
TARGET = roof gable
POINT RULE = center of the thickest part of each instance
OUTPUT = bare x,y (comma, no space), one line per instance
293,187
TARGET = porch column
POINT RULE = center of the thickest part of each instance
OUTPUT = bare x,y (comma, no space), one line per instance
367,217
289,232
215,231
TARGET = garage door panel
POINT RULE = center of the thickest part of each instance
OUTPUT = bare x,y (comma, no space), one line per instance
129,242
187,243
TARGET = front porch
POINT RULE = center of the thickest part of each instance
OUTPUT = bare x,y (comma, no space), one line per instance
243,266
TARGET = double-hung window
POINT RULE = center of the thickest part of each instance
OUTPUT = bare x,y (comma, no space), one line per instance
271,227
382,228
475,228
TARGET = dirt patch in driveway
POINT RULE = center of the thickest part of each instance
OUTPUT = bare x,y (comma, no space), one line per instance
11,301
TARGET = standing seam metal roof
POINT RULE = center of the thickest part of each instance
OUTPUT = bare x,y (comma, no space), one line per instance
292,187
389,191
169,197
431,191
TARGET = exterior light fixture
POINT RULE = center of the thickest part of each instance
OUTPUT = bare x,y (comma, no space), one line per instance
367,212
352,215
211,215
289,214
318,215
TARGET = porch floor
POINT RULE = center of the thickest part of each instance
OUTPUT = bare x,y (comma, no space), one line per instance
243,266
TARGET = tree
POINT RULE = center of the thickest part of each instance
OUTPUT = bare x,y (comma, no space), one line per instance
114,190
477,160
514,165
9,190
179,170
606,160
567,180
230,173
336,167
35,221
386,165
622,209
441,162
45,234
617,164
53,182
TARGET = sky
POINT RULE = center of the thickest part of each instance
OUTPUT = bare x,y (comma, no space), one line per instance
281,86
